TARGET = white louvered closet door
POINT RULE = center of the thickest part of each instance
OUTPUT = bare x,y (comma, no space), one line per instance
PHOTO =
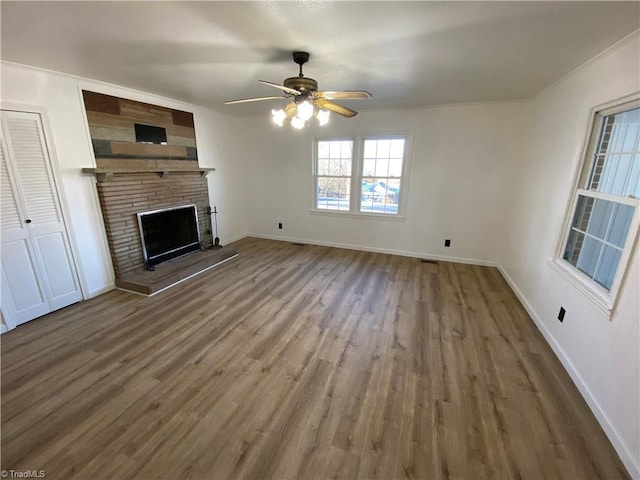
38,272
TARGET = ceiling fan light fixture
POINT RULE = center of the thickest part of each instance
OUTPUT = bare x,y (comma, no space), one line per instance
305,100
323,117
278,116
297,122
304,110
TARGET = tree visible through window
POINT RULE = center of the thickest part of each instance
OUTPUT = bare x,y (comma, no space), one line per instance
606,205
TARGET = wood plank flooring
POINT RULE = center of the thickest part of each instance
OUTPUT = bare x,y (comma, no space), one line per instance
298,362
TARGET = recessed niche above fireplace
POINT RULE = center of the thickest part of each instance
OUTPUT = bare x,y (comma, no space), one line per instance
150,134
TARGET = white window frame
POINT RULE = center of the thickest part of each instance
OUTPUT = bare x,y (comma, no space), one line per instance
605,300
357,162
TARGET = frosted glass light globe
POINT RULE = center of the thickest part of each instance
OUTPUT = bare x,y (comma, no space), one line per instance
323,117
297,122
278,116
304,110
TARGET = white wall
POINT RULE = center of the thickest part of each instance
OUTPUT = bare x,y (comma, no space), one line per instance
60,97
464,162
602,355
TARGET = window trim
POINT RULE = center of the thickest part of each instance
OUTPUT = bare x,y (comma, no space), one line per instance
605,300
357,165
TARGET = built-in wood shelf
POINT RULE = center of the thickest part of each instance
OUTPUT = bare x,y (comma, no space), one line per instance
106,174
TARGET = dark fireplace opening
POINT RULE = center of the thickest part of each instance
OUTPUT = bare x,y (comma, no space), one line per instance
168,233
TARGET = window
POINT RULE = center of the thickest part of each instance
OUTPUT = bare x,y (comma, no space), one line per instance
606,204
362,175
333,174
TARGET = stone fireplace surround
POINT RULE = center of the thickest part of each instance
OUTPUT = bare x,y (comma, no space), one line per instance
124,193
129,193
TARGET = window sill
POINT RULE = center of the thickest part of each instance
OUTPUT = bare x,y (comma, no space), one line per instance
346,214
596,296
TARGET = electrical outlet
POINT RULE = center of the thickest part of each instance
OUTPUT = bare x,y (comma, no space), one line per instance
447,243
561,314
280,226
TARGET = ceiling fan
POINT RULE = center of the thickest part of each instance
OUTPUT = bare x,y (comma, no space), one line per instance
307,100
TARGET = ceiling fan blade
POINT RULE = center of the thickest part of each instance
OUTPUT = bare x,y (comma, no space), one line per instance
344,95
292,91
335,107
256,99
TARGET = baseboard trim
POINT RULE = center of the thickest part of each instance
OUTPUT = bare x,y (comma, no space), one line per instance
236,238
601,416
403,253
100,291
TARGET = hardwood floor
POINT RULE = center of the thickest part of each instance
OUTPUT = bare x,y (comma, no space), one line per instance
298,362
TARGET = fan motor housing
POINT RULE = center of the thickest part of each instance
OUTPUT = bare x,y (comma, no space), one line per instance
303,84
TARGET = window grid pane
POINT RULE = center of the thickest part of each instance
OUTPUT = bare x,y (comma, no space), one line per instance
599,229
616,166
333,174
381,175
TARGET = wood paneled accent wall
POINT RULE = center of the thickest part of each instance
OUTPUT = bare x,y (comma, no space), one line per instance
125,195
111,124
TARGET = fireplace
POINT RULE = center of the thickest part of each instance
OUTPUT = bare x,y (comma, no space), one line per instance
168,233
125,194
157,215
146,165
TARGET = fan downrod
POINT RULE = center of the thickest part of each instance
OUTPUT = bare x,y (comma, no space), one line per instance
301,58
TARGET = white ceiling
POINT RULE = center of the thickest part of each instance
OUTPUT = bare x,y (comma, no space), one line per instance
404,53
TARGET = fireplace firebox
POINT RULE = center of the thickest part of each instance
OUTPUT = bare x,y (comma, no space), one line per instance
168,233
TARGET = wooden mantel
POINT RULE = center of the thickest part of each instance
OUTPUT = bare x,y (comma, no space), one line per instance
106,174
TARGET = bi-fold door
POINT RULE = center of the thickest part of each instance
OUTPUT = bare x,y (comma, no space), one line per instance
38,270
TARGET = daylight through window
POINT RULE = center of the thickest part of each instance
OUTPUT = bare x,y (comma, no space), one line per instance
333,174
605,207
361,175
